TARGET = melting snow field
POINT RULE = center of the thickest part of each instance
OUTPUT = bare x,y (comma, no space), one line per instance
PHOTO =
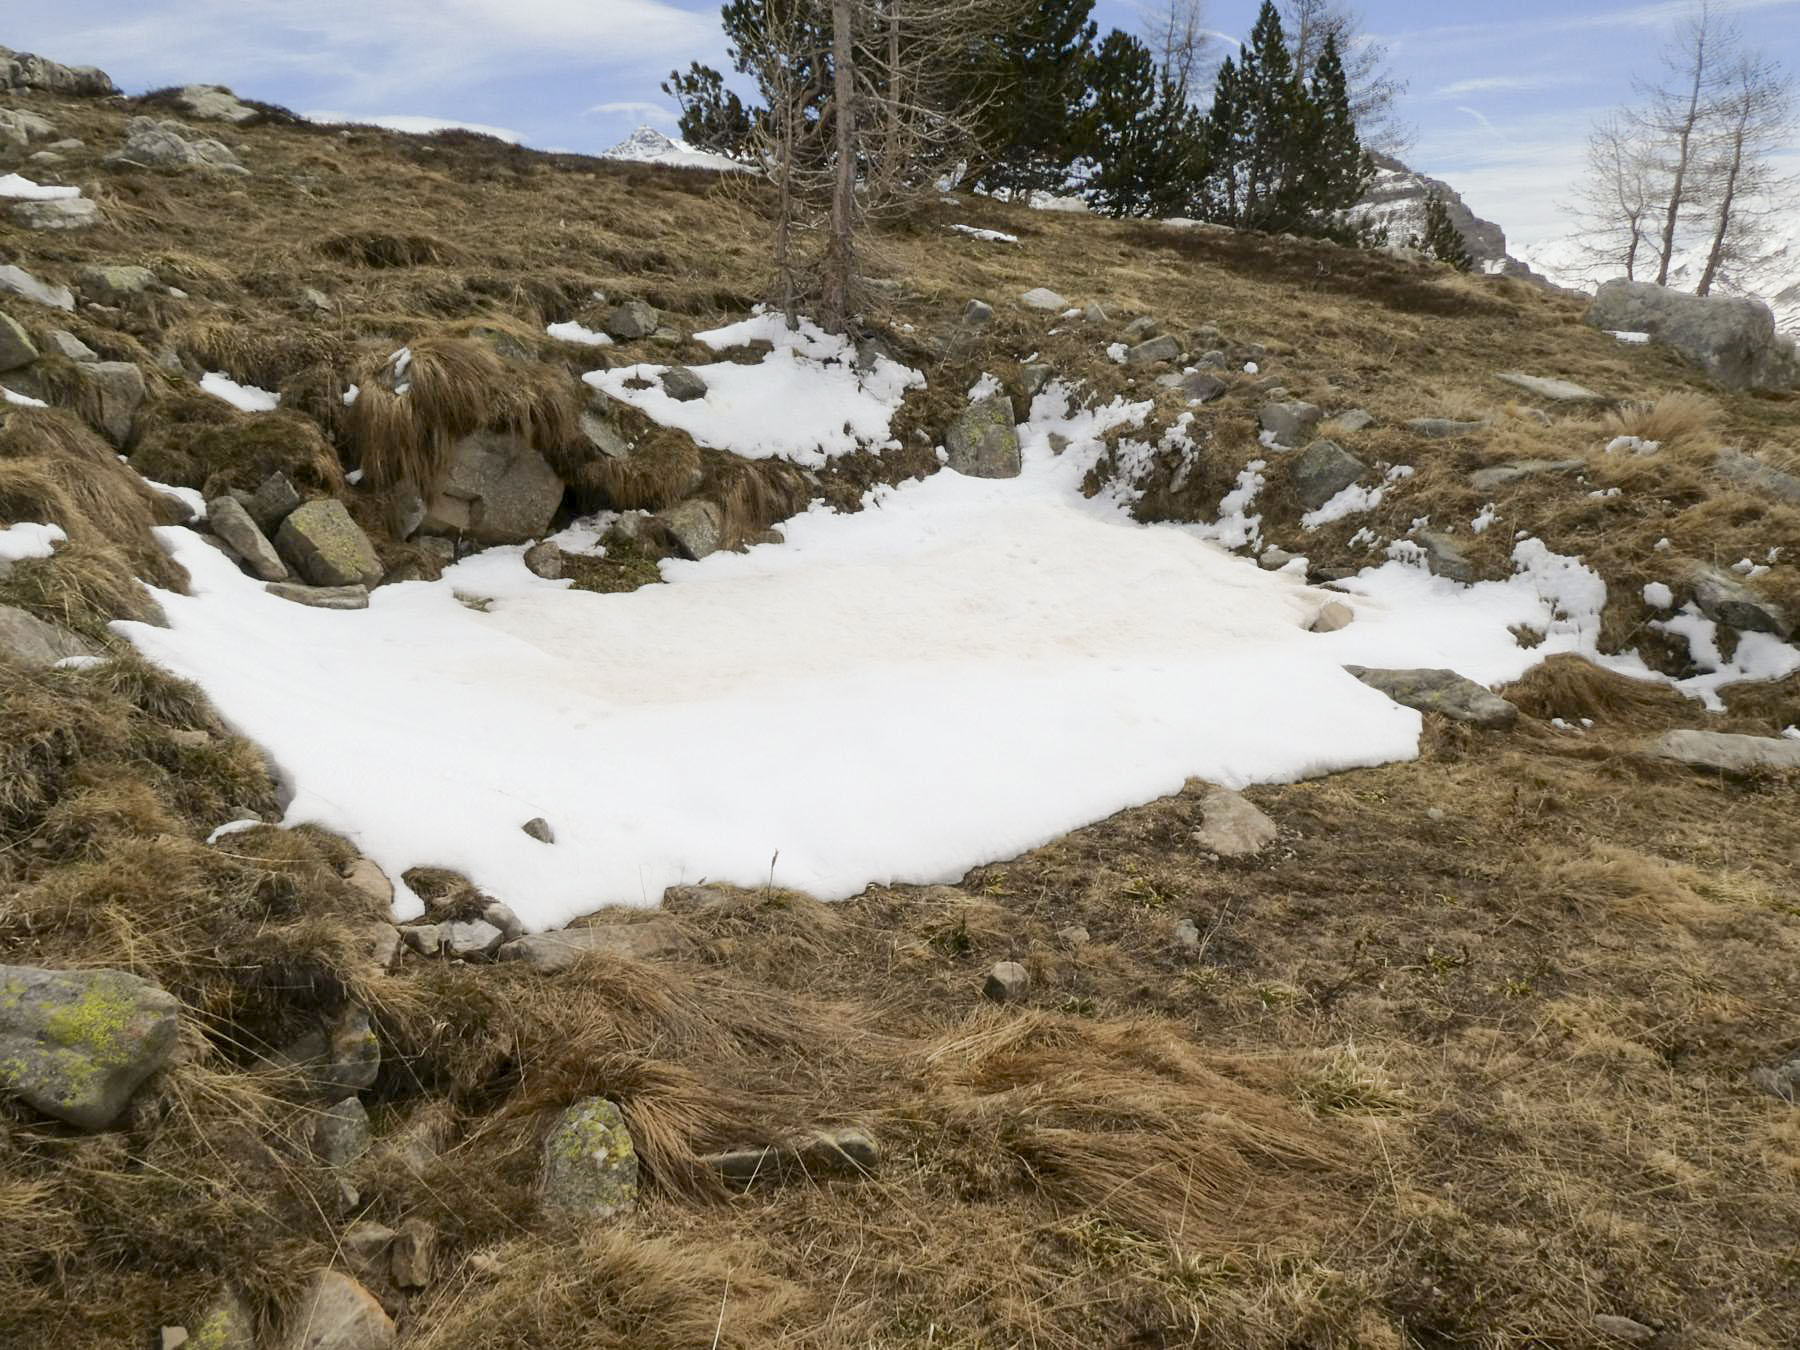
960,672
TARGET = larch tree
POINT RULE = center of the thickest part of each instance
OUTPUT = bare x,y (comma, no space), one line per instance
1744,189
1677,110
1617,196
1375,91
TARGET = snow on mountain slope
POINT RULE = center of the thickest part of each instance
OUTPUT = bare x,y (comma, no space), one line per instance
1397,199
647,145
1771,274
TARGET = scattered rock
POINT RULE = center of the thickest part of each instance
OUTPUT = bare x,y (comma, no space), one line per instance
1443,692
1726,753
1444,556
173,1338
1332,615
466,940
17,281
365,1246
1154,352
845,1152
19,128
983,442
502,917
68,345
76,1044
1752,472
1554,391
1623,1329
336,1059
552,952
697,527
413,1251
1291,422
22,70
1201,387
1725,599
1442,428
590,1166
119,390
274,500
1357,419
539,829
153,144
1007,982
321,597
1043,298
629,321
1141,328
545,560
226,1325
60,213
1322,471
232,523
1504,475
337,1313
214,103
16,346
325,546
114,284
1274,559
1732,339
495,489
1231,826
380,943
1094,313
1780,1080
341,1134
978,314
1033,377
1074,935
682,384
1187,937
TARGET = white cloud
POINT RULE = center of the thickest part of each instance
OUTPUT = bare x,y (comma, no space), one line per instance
420,126
1499,84
640,112
1479,117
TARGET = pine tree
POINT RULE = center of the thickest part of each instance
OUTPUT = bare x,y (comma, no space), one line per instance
1147,148
1036,72
1338,169
1442,240
712,116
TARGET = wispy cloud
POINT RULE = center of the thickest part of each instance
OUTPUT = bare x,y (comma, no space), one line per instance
1479,117
1500,84
642,112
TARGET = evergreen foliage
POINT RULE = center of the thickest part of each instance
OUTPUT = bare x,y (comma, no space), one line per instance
1033,125
1442,240
1147,145
712,116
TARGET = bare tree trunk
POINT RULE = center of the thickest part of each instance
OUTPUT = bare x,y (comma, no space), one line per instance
1684,130
840,258
1728,188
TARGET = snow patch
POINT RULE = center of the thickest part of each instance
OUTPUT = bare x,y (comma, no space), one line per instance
574,332
246,397
20,188
27,540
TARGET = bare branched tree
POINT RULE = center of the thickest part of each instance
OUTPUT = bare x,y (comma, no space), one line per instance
1677,109
1618,196
1175,31
1375,90
1743,190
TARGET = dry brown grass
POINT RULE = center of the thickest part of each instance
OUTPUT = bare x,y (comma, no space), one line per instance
1681,420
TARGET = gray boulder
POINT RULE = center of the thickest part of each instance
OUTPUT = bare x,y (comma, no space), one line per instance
1290,422
978,314
61,213
1231,826
1007,982
214,103
325,546
28,641
1442,428
1725,599
120,387
545,559
557,951
1727,753
683,385
696,526
1504,475
464,939
1444,556
1732,339
495,489
1045,299
321,597
1154,352
76,1044
983,442
631,320
1758,476
19,128
274,500
1443,692
1357,419
17,281
341,1134
22,70
1552,391
590,1165
1200,387
153,144
337,1313
232,523
66,344
114,284
1140,329
16,346
1323,470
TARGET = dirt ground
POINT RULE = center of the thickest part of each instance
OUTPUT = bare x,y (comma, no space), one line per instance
1461,1060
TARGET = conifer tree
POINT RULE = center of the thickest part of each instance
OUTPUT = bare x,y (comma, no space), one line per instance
712,116
1441,239
1032,129
1147,145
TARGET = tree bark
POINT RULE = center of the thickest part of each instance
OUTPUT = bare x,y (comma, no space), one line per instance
840,260
1684,147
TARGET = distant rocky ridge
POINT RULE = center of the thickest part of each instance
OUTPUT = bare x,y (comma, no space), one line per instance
1397,197
22,70
647,145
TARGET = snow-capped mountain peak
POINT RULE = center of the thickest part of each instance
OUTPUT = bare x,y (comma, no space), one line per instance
647,145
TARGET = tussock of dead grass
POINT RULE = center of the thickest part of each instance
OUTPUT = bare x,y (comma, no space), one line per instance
1683,420
220,450
262,354
1572,687
382,249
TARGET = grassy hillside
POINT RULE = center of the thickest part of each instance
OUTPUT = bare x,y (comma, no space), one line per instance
1462,1059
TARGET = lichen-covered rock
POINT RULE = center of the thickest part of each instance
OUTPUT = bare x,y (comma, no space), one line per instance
76,1044
1443,692
114,284
590,1166
322,544
495,489
16,346
232,523
697,527
1323,470
337,1313
226,1325
61,213
983,441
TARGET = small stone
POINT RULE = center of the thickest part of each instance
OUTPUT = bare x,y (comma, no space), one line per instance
1443,692
1357,419
1289,423
365,1245
1444,556
65,343
1141,328
231,522
1034,376
321,597
697,527
983,442
1200,387
274,500
629,321
557,951
1095,313
61,213
1007,982
545,560
17,281
1323,470
1504,475
1274,559
590,1166
1623,1329
1187,936
978,314
226,1325
326,547
412,1253
341,1135
1332,615
1725,599
76,1044
342,1056
16,346
502,917
539,829
1212,361
1074,935
1045,299
472,939
682,384
1442,428
1154,352
1231,826
1724,752
1555,391
173,1338
337,1313
380,943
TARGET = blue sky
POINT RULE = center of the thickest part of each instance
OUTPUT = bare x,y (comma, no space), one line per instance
1500,96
